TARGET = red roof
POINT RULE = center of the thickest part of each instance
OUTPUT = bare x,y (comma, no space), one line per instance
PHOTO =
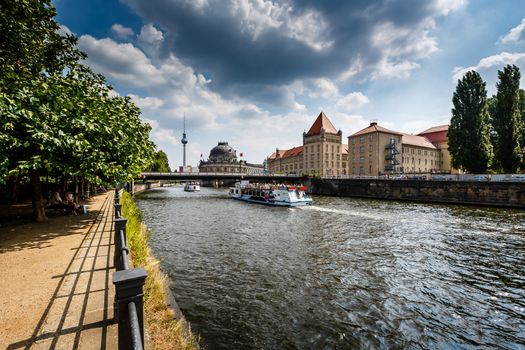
436,134
344,149
322,122
418,141
287,153
375,128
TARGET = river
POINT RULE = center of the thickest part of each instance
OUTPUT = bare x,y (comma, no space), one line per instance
342,274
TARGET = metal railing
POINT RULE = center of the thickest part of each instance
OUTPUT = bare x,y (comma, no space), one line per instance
129,285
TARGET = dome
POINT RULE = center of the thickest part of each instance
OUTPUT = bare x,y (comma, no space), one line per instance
223,153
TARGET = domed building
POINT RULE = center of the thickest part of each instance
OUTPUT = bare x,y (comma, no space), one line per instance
223,159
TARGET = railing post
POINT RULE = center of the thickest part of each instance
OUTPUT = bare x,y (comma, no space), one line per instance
129,288
120,224
118,211
117,197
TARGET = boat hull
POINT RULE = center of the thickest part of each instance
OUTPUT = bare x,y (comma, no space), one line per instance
273,203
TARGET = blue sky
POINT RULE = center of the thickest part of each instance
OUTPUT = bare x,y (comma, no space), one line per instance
256,73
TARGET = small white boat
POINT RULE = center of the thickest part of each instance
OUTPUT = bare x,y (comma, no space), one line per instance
192,187
277,195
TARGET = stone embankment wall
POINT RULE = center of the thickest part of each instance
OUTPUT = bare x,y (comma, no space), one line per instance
140,187
503,194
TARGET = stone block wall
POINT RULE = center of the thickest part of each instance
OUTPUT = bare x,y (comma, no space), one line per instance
504,194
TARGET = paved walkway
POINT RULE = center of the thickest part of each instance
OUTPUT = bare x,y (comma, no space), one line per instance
79,309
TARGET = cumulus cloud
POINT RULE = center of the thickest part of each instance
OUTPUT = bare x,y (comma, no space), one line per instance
150,35
444,7
495,61
351,101
122,62
121,31
248,46
148,102
64,30
516,34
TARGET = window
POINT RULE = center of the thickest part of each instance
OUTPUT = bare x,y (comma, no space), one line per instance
361,170
361,149
353,141
412,151
419,151
425,163
370,137
370,147
361,159
318,148
361,139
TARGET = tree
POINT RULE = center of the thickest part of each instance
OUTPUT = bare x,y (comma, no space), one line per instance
57,115
469,134
160,163
507,120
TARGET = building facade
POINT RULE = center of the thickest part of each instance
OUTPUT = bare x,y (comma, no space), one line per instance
223,159
376,150
321,154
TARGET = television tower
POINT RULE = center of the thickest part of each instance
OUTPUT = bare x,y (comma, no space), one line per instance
184,141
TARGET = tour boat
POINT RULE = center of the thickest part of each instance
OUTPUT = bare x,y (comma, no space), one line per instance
278,195
192,187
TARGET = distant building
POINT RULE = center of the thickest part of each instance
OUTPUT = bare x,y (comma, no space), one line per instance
322,152
223,159
438,135
376,150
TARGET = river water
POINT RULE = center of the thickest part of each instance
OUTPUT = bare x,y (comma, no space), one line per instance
342,274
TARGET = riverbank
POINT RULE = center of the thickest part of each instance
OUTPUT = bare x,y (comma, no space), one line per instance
166,325
56,290
495,194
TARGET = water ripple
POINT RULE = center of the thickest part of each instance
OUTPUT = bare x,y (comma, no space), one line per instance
342,274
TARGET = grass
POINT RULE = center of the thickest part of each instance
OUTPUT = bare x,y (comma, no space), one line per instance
164,331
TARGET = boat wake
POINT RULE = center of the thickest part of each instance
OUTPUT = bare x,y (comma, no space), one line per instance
338,211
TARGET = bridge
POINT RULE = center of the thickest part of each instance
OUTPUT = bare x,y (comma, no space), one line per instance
221,176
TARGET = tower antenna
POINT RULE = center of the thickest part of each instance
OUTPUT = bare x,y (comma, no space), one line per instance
184,141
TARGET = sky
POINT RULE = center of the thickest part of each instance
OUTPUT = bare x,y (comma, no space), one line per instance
256,73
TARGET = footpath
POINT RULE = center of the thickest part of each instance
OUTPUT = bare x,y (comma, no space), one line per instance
56,290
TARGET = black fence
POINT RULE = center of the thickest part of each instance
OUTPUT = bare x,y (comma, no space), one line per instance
129,283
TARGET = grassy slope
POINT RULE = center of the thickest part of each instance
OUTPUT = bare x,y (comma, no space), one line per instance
164,331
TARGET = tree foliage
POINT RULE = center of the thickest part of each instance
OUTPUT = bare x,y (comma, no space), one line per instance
506,119
160,163
56,115
469,132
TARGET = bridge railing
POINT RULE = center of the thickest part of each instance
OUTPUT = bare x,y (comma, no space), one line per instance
129,286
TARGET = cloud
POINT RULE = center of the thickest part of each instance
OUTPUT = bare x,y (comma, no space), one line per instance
498,61
351,101
121,31
121,62
63,30
516,34
444,7
251,46
150,35
150,103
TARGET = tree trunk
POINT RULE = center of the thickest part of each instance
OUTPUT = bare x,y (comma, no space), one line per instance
38,201
15,189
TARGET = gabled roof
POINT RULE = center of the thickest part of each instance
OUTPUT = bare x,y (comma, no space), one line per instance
435,129
418,141
375,128
344,150
437,134
287,153
322,122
